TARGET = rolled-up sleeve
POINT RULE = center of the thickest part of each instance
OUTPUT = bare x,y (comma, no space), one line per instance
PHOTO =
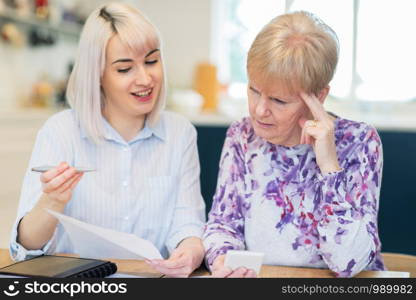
48,150
189,212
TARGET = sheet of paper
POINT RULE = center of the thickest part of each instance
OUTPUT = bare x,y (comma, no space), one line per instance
91,241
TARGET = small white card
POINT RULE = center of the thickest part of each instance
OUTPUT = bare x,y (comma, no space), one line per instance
235,259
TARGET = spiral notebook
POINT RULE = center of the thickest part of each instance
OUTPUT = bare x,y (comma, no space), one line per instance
60,267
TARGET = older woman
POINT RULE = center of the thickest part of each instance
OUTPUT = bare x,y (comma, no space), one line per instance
147,178
295,182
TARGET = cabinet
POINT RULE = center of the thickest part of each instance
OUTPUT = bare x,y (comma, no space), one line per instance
68,29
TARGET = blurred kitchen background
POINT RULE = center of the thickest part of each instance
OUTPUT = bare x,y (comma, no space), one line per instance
205,46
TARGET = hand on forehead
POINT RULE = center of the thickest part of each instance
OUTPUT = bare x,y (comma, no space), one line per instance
314,105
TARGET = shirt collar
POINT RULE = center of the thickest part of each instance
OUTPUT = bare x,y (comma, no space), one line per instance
157,130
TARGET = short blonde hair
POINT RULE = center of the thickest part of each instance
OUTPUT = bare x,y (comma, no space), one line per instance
298,50
84,91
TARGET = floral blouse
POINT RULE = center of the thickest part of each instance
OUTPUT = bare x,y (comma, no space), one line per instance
274,199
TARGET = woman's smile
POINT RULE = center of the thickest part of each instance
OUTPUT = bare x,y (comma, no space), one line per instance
143,96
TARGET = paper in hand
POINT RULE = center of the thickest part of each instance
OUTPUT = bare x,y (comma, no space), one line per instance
91,241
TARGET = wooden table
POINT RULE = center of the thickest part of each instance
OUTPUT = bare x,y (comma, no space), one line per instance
140,268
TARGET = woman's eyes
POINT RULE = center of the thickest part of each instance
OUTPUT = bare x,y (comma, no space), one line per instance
254,91
271,98
149,62
123,70
278,101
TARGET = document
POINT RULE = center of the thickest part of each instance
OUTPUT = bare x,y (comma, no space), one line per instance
91,241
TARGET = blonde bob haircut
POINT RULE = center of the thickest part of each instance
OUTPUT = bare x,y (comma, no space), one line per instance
84,92
296,50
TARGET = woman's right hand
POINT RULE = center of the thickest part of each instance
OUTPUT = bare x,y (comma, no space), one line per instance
59,182
221,271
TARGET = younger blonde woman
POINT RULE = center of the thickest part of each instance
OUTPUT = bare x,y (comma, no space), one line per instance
147,178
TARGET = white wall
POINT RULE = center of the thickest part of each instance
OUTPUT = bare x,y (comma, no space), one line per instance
20,68
185,26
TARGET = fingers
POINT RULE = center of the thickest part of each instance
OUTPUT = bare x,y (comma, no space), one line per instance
180,271
221,272
59,180
170,263
243,273
183,260
239,273
313,130
218,268
218,262
312,133
70,184
315,106
178,265
306,134
302,125
178,259
51,174
251,274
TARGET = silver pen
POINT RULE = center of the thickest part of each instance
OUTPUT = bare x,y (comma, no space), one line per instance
42,169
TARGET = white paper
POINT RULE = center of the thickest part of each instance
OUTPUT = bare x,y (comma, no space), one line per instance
91,241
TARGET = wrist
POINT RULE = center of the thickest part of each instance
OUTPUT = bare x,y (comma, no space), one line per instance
190,242
194,246
46,202
329,165
331,168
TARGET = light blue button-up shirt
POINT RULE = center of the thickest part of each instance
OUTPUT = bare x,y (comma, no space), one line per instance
149,186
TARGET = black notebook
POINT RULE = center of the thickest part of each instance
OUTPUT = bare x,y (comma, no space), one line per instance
60,267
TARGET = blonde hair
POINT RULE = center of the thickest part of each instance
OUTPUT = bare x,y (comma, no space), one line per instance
84,91
298,50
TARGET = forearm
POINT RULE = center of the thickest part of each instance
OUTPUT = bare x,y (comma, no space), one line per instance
37,227
348,248
348,222
218,239
191,242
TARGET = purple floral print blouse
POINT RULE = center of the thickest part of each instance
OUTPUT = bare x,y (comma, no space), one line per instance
274,199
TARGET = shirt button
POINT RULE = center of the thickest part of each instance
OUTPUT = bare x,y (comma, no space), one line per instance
126,218
125,183
125,149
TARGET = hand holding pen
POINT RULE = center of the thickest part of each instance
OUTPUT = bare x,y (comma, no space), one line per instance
59,182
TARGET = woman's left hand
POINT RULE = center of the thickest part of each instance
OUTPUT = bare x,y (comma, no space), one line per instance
320,134
183,261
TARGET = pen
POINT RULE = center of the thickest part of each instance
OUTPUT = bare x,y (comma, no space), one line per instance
42,169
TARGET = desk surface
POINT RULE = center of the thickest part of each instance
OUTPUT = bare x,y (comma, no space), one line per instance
140,268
